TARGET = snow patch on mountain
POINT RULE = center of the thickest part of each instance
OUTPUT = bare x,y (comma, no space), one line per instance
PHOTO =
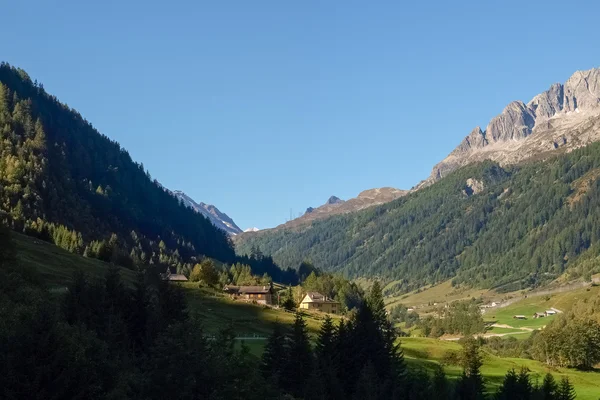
218,218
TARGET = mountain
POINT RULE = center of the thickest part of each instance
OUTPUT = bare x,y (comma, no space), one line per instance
252,230
562,118
516,205
64,182
334,205
218,218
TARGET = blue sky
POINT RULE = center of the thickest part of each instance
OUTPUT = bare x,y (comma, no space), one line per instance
260,107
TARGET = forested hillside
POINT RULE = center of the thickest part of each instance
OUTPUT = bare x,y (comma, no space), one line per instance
64,182
483,225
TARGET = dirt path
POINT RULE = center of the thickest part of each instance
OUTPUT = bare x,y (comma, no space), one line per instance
511,327
518,331
488,335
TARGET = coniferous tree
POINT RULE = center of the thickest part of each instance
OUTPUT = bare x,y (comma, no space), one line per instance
325,346
548,389
300,361
565,390
440,387
470,384
274,358
327,359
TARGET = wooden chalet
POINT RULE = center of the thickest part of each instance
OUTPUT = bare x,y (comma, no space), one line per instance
258,294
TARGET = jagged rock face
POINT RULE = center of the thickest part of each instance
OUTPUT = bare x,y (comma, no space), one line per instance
563,117
516,122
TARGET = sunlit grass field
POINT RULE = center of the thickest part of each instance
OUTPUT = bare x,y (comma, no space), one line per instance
216,312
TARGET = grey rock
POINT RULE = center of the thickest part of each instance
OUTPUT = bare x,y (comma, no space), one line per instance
563,117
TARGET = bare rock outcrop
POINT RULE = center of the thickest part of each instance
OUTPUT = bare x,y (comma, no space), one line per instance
565,116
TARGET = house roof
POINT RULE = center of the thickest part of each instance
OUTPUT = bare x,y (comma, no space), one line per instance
316,297
170,276
177,277
247,289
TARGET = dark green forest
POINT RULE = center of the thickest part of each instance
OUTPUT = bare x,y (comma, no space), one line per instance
64,182
530,224
104,340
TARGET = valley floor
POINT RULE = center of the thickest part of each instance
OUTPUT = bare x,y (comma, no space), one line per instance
252,323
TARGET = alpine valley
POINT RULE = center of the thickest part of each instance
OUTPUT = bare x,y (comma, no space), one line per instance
513,206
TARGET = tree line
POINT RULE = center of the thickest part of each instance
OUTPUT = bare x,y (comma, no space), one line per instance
63,182
530,224
103,339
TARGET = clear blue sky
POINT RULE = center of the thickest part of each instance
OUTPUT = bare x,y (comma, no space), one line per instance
262,106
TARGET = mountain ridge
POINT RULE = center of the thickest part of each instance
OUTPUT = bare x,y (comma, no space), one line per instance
335,206
558,118
217,217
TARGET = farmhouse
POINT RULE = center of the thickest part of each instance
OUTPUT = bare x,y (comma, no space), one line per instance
259,294
519,317
538,315
550,312
316,301
171,277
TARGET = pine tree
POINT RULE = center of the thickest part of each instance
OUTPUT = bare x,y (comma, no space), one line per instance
377,305
524,387
509,389
549,388
274,356
470,384
565,390
300,361
440,387
327,361
325,345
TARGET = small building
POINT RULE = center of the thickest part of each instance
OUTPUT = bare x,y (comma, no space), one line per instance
519,317
550,312
538,315
173,277
259,294
319,302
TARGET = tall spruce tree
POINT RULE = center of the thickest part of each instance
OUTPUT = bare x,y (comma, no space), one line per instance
274,356
470,384
565,390
325,346
548,389
300,361
327,361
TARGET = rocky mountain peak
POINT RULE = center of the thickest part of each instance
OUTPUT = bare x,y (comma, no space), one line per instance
334,200
563,112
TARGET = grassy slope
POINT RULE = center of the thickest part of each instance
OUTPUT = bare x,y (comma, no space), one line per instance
57,267
218,311
426,353
528,306
442,293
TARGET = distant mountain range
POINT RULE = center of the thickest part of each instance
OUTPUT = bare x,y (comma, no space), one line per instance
334,206
218,218
513,206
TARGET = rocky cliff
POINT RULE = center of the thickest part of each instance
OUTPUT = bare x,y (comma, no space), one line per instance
564,117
